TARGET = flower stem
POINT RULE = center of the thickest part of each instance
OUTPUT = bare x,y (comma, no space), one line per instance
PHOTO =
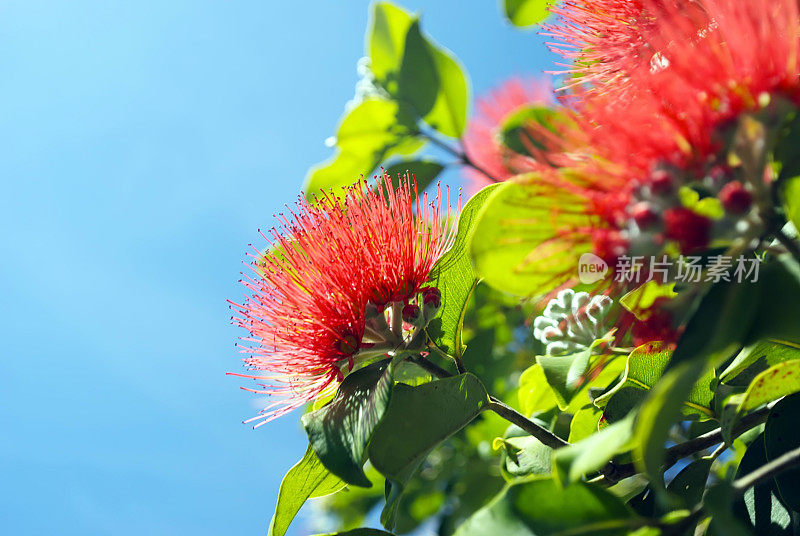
461,155
506,412
613,473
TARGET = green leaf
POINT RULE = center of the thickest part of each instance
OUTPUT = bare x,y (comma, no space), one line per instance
370,132
535,394
720,324
782,434
419,418
756,358
308,478
644,368
759,507
563,372
779,307
524,13
775,382
339,432
419,78
540,507
642,298
516,133
661,409
449,113
517,245
386,37
424,170
414,69
790,193
584,423
591,454
526,455
455,279
688,486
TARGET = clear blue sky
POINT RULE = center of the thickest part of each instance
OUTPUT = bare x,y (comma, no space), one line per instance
142,144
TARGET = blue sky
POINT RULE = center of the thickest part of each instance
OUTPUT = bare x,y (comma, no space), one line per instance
143,144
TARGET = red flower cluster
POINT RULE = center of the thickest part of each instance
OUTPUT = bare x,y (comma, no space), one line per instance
326,262
667,83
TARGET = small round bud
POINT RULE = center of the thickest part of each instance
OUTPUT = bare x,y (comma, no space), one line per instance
644,215
690,230
735,198
432,297
661,182
411,313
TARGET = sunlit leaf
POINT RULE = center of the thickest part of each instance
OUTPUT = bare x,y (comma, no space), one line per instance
540,507
454,277
308,478
591,454
521,244
525,13
340,431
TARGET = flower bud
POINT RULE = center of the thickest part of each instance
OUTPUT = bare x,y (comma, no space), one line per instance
661,182
644,215
411,313
735,198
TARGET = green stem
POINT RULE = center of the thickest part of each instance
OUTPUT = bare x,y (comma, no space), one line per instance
462,157
503,410
613,473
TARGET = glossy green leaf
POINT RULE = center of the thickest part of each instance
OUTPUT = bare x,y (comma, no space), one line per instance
386,37
423,417
755,358
689,484
584,423
340,431
535,394
454,277
540,507
782,434
526,455
517,247
759,507
308,478
790,193
424,170
524,13
720,324
640,300
370,132
418,419
779,307
449,113
563,372
418,83
775,382
644,368
660,410
591,454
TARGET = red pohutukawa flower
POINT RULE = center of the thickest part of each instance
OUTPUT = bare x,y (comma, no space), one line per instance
482,141
633,157
608,39
326,262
